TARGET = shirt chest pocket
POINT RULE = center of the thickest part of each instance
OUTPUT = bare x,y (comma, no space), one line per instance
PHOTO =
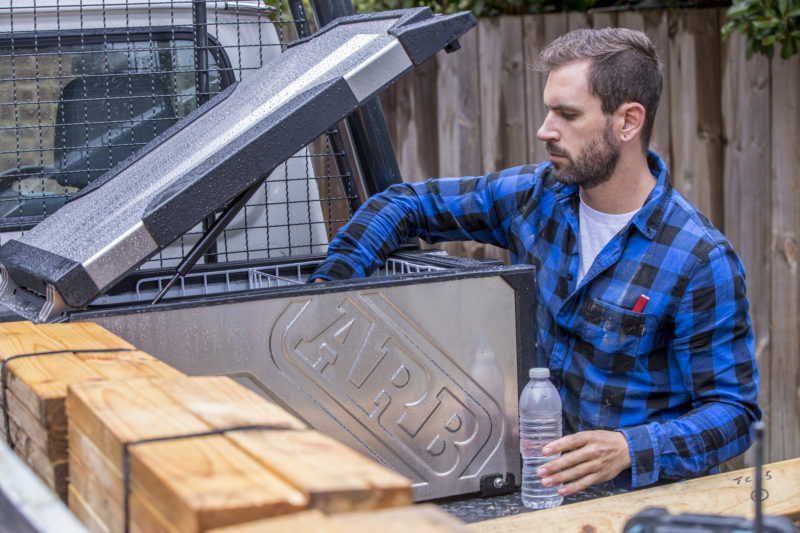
611,336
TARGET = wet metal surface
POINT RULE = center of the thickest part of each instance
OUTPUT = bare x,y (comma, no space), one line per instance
477,509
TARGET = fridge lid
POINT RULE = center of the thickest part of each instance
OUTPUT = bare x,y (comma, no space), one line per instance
213,155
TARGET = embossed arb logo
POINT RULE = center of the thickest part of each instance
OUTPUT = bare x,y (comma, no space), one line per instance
367,357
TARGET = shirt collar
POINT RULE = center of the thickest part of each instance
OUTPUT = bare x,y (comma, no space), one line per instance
649,217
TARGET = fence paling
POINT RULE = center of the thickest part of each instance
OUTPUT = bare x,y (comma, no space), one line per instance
784,400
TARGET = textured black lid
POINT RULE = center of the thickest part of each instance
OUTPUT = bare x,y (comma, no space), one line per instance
211,156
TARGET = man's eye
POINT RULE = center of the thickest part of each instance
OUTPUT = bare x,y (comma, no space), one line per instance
568,116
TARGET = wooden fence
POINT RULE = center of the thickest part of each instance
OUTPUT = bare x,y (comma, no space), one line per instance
727,128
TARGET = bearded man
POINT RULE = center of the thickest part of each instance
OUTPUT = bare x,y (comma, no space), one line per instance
642,316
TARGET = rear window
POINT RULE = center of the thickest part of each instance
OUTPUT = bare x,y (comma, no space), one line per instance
72,108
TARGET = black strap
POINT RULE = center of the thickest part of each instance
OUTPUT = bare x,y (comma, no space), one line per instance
4,394
126,458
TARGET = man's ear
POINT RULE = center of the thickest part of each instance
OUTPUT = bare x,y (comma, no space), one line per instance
631,117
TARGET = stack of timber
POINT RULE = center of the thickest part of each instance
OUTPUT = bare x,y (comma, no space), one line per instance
192,454
38,362
422,518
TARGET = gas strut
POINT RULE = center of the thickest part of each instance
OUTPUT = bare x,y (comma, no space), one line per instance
208,238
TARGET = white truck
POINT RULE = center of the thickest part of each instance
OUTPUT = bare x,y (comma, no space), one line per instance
86,83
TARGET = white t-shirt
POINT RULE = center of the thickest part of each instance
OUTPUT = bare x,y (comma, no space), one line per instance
595,230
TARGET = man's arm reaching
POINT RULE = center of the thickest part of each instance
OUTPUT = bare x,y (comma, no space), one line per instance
449,209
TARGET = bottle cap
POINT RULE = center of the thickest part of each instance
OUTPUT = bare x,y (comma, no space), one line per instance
539,373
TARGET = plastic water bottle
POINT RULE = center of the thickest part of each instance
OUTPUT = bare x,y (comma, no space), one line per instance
539,424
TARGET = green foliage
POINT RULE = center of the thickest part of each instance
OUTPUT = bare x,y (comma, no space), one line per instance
766,23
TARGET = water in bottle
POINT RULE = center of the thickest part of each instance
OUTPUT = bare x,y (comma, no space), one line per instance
539,424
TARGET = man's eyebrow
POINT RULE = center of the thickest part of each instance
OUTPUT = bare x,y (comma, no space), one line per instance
562,107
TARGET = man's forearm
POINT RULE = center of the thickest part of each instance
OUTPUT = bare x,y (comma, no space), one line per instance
690,445
364,244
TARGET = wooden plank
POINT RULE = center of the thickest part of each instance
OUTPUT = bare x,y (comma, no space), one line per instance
502,93
655,24
422,518
411,114
104,473
538,31
206,482
54,475
127,365
52,472
722,494
100,489
25,337
84,336
106,509
784,395
147,519
577,20
459,118
109,414
696,119
114,413
84,513
222,403
745,96
18,338
334,477
603,19
458,106
311,521
53,442
40,383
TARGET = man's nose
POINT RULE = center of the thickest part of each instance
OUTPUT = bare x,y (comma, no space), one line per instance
546,131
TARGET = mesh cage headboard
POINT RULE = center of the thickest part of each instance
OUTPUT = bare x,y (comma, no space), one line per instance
84,84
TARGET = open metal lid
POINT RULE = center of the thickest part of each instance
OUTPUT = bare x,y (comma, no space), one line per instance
213,155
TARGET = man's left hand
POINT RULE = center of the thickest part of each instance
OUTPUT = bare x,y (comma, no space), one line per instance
587,458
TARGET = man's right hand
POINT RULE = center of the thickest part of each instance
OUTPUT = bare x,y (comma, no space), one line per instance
587,458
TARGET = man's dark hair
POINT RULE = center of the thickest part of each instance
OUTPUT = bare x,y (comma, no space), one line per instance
625,68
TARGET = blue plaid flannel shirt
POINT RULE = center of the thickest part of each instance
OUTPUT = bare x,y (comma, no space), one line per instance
679,379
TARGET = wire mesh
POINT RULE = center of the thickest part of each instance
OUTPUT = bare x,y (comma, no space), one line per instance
229,280
84,84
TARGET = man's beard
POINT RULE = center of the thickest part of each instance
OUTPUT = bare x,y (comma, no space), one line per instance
595,164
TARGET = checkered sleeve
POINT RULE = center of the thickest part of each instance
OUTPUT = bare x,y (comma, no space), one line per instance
713,343
447,209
